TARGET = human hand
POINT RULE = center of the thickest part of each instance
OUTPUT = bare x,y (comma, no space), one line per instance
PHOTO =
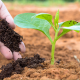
4,14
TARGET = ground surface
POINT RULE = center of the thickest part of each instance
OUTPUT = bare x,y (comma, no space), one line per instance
36,42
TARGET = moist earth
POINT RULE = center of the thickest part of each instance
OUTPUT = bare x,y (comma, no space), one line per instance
16,67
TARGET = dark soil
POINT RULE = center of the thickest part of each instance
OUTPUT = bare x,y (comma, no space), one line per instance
16,67
9,37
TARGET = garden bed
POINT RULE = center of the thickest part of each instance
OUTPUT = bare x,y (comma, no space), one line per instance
65,67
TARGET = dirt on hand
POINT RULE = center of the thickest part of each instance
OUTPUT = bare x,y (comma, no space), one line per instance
9,37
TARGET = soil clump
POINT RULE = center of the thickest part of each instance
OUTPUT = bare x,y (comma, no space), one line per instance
16,67
9,37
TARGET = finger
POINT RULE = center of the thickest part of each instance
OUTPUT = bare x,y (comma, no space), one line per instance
16,55
6,52
4,14
22,47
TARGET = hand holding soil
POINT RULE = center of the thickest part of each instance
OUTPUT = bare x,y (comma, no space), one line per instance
6,40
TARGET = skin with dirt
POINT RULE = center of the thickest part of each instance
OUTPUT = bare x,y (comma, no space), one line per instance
66,67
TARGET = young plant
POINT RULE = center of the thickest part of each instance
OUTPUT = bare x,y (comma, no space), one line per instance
43,22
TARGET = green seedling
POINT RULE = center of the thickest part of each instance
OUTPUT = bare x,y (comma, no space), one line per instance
43,22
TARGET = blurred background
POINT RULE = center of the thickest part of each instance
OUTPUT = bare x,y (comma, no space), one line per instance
42,2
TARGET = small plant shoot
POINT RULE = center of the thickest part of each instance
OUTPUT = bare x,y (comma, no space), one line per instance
43,22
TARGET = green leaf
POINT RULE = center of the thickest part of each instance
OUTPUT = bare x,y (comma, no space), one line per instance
75,27
56,19
24,21
67,24
44,16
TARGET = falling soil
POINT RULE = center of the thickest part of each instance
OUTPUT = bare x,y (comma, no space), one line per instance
16,67
9,37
